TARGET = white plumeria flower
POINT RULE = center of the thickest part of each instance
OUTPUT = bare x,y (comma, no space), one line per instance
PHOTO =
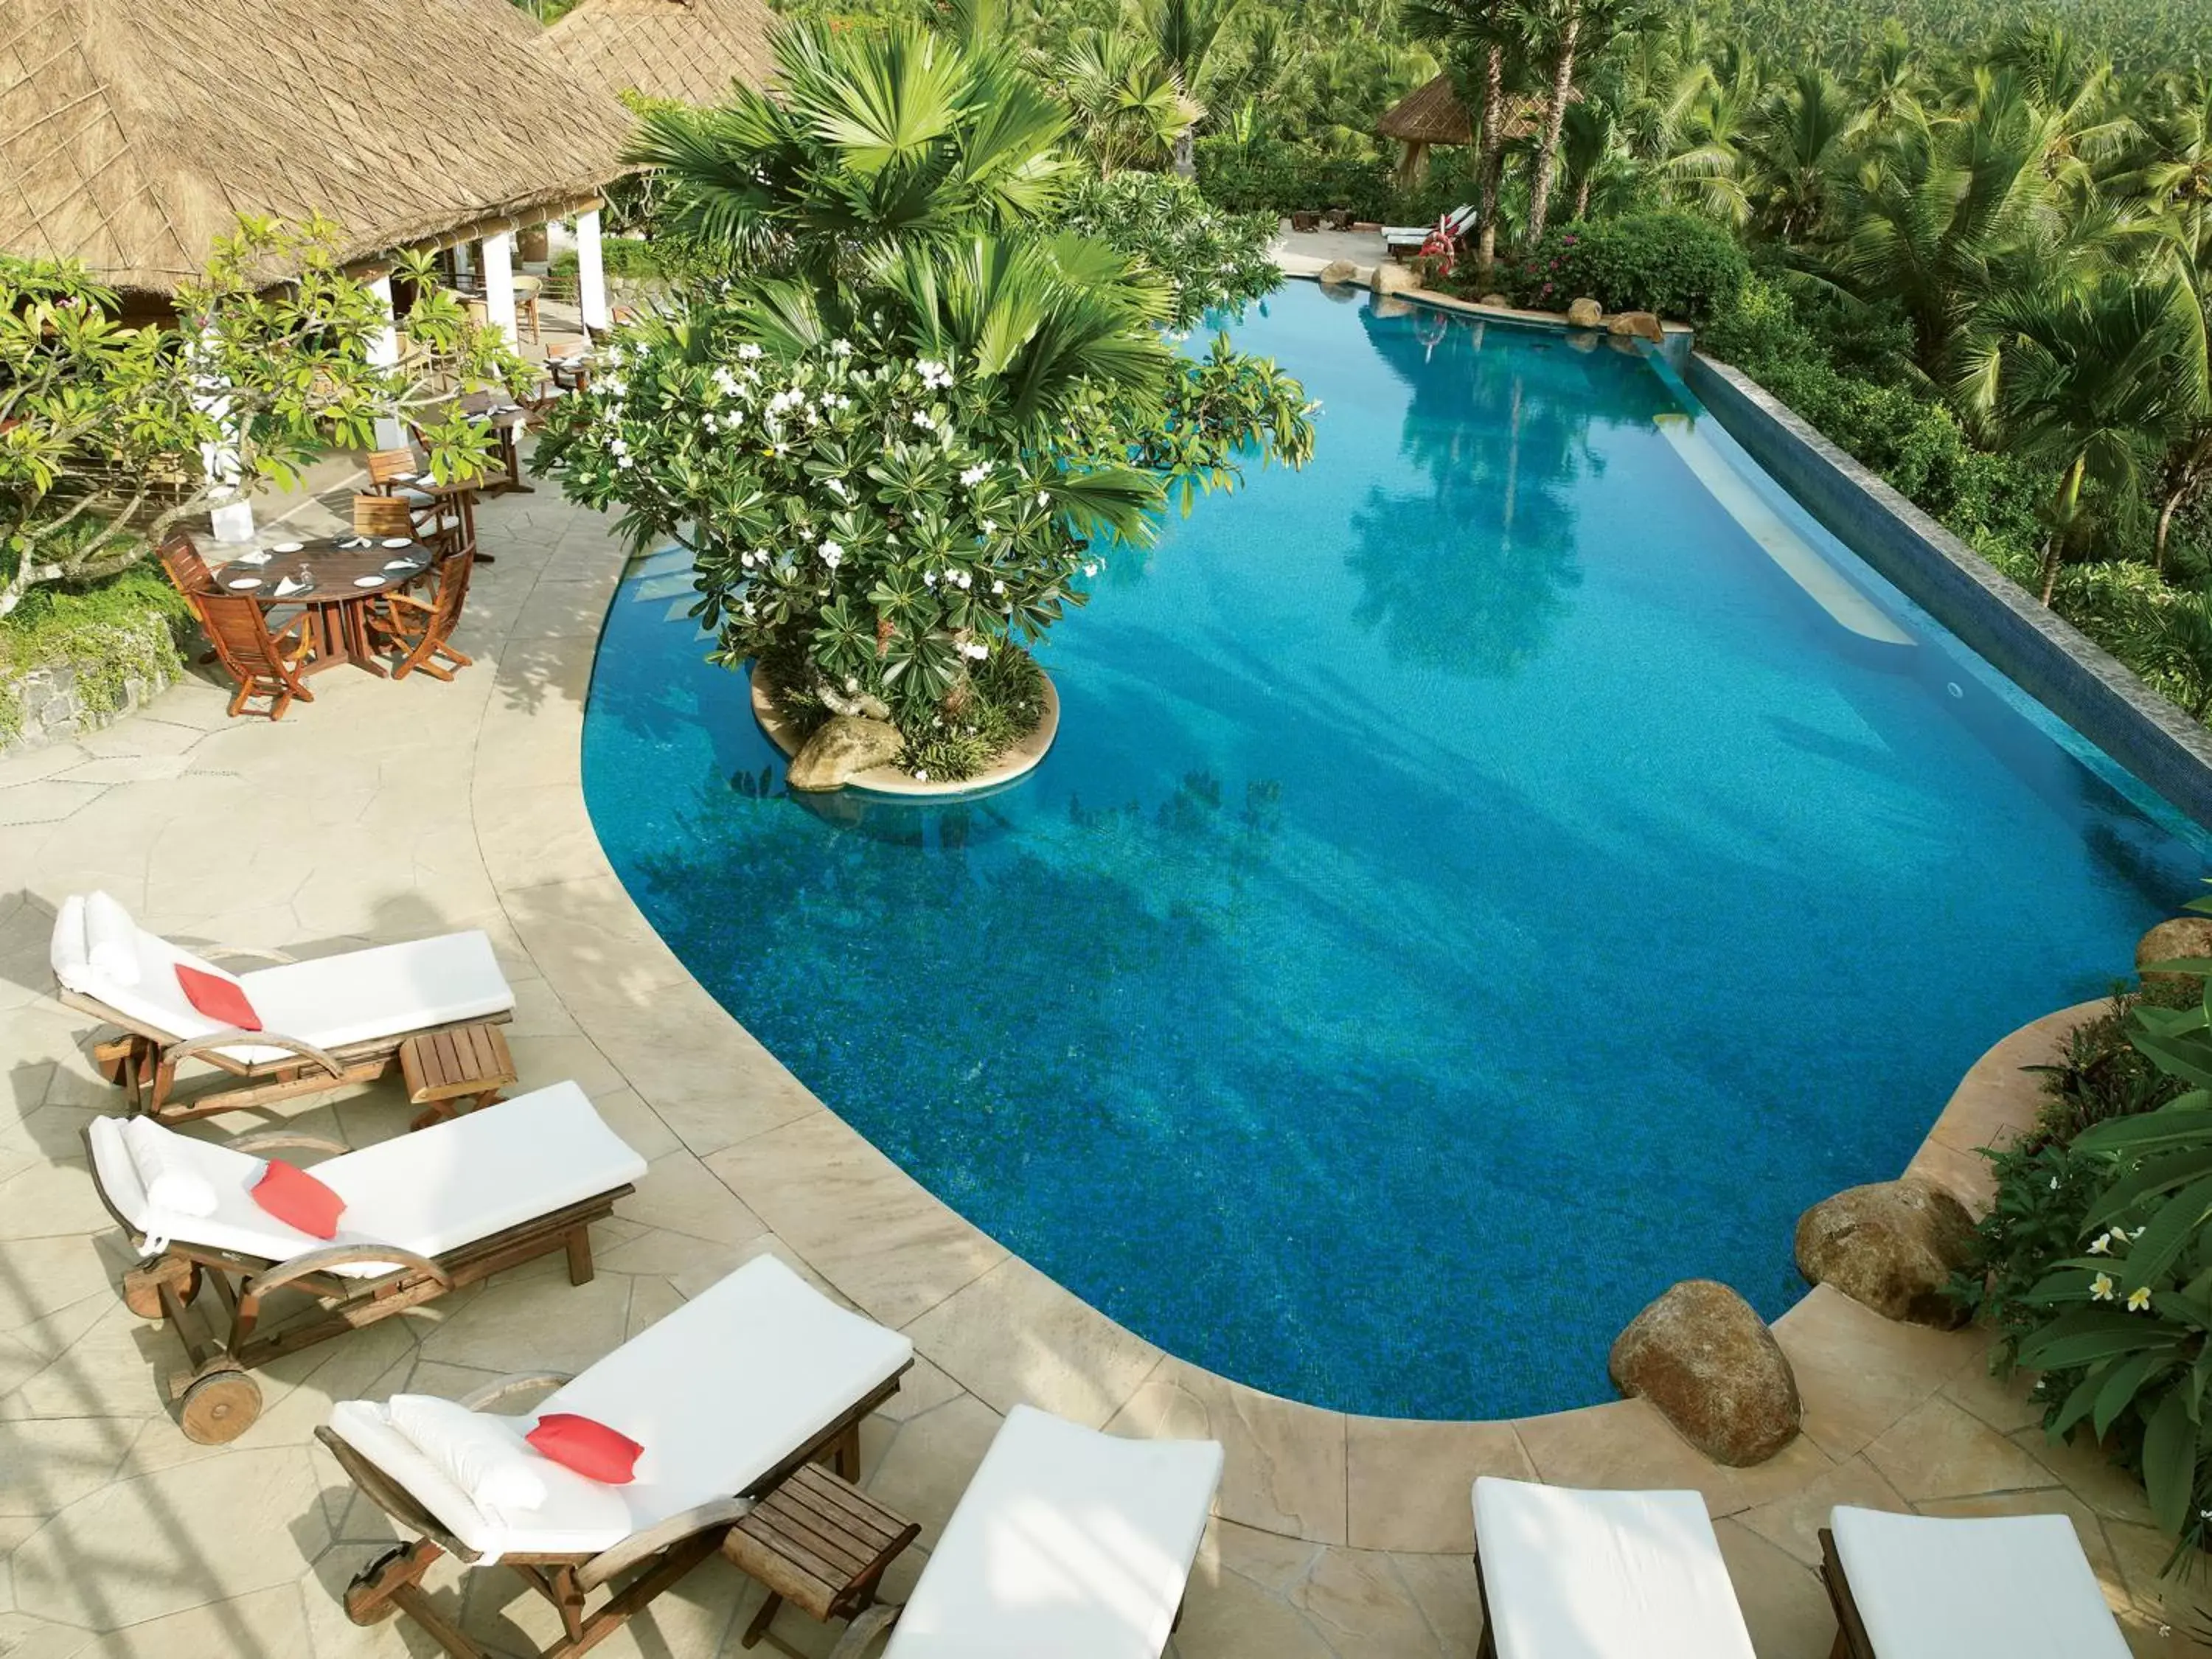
929,579
990,526
998,587
749,352
1044,498
922,419
838,485
2101,1244
2101,1287
965,579
622,461
975,475
832,555
840,347
2054,1183
2139,1298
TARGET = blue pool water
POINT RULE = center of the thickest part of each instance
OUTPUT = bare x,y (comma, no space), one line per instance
1475,888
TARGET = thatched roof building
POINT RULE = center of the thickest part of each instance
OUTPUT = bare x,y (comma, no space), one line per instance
1431,114
685,50
134,132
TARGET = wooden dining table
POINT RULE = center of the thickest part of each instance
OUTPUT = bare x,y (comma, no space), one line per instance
338,577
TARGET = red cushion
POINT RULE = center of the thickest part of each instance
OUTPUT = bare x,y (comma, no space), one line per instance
218,998
592,1449
297,1198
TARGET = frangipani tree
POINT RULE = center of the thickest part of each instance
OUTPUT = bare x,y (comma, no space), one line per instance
111,433
896,454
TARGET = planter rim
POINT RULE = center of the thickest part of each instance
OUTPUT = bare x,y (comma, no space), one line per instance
889,781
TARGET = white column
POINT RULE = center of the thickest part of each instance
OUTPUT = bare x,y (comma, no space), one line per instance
591,275
499,284
463,261
232,521
383,353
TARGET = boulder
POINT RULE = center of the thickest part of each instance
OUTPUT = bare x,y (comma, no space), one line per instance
1892,1245
1498,299
842,745
1640,323
1707,1361
1391,278
1340,270
2171,941
1585,313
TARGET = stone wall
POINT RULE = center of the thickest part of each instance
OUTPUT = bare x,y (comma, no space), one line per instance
2046,656
57,701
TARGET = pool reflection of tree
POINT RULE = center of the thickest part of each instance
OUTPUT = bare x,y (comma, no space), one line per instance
1473,576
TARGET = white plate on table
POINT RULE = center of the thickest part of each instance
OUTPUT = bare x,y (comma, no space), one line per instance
399,541
286,547
368,581
243,583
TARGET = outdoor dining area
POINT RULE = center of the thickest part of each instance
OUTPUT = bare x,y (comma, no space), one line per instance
383,596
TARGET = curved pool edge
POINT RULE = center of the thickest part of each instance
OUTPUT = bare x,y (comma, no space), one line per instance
990,1324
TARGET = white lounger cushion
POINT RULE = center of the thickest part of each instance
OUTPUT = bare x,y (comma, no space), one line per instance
332,1002
1067,1542
1456,222
429,1192
1939,1588
1598,1574
719,1392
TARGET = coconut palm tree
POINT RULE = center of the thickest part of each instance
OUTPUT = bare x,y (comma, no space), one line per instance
1795,151
1564,35
1183,34
1487,46
2101,384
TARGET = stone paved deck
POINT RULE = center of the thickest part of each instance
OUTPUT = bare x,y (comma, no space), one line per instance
387,811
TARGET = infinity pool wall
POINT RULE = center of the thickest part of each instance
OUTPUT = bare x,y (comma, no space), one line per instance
1476,885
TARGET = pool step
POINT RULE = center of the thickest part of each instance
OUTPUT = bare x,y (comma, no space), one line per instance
665,588
1798,560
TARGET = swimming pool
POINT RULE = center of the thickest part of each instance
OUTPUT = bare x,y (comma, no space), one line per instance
1514,864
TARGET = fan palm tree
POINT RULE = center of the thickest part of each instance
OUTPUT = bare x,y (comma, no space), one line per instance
1127,105
1183,34
874,142
2101,384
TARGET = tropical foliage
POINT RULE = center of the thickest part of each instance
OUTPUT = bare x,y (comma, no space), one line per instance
2097,1258
933,382
110,433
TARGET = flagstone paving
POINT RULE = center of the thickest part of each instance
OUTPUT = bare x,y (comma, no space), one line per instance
386,811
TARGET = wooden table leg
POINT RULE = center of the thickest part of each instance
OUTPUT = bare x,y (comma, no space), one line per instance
358,641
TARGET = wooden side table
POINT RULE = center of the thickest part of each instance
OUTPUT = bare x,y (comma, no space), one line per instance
818,1542
455,1070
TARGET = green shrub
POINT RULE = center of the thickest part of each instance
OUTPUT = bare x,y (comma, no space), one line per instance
1283,178
112,633
1675,263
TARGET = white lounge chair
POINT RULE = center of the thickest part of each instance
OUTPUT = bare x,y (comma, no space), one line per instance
425,1213
1067,1542
328,1022
1567,1574
1920,1587
1401,240
728,1395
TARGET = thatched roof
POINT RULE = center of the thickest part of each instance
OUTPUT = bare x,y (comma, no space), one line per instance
687,49
1433,114
134,132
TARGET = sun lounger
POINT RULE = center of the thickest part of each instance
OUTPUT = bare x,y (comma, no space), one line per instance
1403,239
327,1023
425,1213
728,1395
1067,1542
1918,1587
1566,1574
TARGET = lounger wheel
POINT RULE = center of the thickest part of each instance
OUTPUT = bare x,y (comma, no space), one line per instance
219,1407
141,1286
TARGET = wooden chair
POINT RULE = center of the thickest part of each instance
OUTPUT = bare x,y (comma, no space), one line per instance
181,563
265,664
422,629
383,516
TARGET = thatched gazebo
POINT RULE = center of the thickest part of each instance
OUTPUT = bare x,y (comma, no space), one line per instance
135,132
1431,115
689,51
